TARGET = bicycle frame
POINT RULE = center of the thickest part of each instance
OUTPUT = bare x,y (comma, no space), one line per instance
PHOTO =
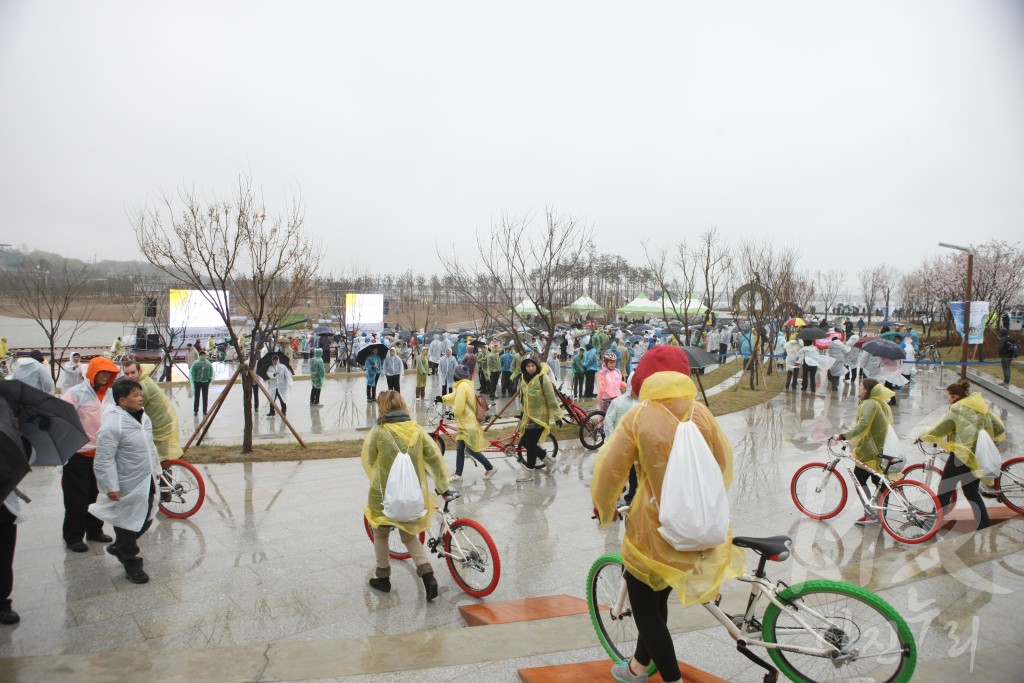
851,465
502,445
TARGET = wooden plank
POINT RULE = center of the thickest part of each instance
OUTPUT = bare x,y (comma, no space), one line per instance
588,672
510,611
961,518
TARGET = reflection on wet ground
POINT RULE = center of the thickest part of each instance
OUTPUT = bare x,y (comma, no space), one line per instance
278,555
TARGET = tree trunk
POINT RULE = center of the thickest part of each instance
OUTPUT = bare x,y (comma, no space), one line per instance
246,412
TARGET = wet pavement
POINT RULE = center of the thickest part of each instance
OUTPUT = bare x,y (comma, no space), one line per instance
268,580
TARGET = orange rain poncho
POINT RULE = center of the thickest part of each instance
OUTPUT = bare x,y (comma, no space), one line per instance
644,438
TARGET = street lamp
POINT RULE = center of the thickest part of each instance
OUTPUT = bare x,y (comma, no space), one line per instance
967,305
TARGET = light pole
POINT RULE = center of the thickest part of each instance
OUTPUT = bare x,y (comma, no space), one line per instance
967,305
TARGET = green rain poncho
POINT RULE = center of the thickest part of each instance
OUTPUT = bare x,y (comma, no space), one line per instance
463,403
422,369
540,405
317,371
957,430
868,434
379,450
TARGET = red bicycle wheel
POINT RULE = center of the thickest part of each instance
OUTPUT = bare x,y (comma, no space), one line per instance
930,478
182,490
910,512
396,549
818,491
1010,484
472,558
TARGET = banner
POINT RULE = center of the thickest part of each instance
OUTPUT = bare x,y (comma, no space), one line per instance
979,316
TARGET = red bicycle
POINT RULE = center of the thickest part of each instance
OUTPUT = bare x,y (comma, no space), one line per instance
591,424
182,489
506,445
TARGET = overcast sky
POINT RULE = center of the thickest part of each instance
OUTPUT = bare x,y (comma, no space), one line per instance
854,129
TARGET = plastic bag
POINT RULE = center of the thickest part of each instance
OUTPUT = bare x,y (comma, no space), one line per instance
892,446
694,508
403,496
990,461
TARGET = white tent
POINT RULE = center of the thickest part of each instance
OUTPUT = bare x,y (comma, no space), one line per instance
584,305
527,307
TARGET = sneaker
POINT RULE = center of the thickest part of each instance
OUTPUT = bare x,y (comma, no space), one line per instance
621,672
455,477
867,519
490,473
525,475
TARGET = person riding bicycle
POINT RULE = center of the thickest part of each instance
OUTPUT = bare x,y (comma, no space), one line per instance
609,381
470,436
874,417
397,430
540,410
957,432
653,568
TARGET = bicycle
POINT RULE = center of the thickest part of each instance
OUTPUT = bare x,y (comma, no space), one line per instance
817,630
591,424
927,472
182,489
1007,488
908,510
506,445
465,545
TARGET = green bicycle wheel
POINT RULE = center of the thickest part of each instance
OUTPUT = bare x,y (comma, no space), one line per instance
874,641
618,634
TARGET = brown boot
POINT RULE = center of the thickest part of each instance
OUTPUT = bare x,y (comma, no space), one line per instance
430,584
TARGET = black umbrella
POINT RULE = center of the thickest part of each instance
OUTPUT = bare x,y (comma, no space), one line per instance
382,350
478,343
264,362
885,323
883,348
811,333
13,461
699,358
463,335
50,424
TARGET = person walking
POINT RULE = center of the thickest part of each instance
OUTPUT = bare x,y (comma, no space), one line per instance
72,372
540,411
506,372
653,568
191,355
554,365
423,370
871,426
396,432
78,481
609,382
591,364
811,360
493,370
837,352
31,370
446,370
160,410
393,370
373,367
792,349
317,372
201,374
127,468
860,327
470,435
579,373
279,378
435,351
957,433
724,342
1005,354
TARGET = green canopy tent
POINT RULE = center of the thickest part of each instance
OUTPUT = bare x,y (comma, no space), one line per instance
665,306
584,305
641,304
527,307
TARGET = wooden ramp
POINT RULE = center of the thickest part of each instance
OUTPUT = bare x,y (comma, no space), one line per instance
594,672
528,609
961,518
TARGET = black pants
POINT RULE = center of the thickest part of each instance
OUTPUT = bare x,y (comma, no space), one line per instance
371,392
433,367
393,382
506,383
202,388
650,614
284,406
80,491
8,538
957,473
792,378
863,477
485,387
1005,362
126,541
722,350
577,385
588,388
530,441
314,396
493,381
810,372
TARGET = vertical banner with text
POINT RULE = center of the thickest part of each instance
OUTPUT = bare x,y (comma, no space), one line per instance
979,316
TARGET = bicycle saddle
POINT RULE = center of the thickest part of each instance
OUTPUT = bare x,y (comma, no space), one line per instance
773,547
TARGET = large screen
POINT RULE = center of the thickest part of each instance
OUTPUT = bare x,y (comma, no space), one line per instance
364,312
191,315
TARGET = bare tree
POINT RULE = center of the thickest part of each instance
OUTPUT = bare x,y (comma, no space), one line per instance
868,279
715,263
53,296
676,275
520,260
233,250
886,280
828,285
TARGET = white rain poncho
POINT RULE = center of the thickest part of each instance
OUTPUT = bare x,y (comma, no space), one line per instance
279,379
809,356
126,461
837,350
72,375
446,370
392,364
33,373
436,350
853,354
792,349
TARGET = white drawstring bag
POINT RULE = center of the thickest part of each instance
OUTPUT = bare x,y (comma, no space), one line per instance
403,496
989,459
694,508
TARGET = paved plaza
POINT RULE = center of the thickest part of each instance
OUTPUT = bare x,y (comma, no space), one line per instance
268,580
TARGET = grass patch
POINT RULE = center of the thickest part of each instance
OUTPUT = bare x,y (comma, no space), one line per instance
731,401
952,354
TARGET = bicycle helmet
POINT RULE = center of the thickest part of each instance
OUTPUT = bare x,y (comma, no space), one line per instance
610,355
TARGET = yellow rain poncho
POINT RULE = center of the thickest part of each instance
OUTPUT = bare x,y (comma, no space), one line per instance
540,405
164,418
868,433
963,420
463,403
644,439
379,450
